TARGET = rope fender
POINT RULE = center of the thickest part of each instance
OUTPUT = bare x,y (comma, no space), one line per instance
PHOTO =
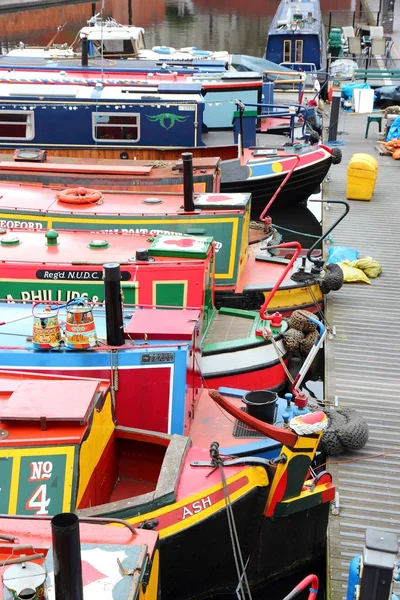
79,195
347,430
333,279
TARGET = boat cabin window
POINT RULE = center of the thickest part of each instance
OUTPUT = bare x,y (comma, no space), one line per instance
287,51
298,51
112,127
17,125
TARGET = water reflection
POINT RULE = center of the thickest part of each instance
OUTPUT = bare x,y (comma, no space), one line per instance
235,25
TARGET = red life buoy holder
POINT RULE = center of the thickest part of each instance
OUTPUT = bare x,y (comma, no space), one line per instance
80,195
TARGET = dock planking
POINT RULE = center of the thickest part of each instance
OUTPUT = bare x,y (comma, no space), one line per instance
361,369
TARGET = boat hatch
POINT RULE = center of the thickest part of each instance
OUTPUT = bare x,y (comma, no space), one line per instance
163,324
35,401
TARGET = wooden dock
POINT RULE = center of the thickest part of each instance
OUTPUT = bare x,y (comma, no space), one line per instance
362,369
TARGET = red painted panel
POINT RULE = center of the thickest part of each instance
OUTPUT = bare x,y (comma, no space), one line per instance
143,398
255,380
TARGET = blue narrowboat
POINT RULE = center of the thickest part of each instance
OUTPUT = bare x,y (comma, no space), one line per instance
296,37
100,117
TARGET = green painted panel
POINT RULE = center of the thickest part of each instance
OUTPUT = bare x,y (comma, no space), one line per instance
6,465
41,484
226,231
170,294
57,291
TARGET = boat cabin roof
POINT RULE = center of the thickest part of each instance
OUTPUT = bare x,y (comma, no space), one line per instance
187,92
97,540
28,410
297,17
133,168
20,197
110,31
171,323
144,80
83,247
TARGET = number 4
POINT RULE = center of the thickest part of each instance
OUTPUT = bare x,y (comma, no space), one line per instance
38,500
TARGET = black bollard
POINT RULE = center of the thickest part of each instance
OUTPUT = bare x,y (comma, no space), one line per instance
85,52
113,300
187,161
67,557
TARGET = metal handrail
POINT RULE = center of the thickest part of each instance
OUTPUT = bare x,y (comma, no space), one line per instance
89,520
263,216
296,254
318,261
311,355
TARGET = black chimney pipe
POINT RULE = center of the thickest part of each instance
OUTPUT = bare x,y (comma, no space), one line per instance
187,162
67,557
113,299
85,52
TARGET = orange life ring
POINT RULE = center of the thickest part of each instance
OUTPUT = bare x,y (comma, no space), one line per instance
79,195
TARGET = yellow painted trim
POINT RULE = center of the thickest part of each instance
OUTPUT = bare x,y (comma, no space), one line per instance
295,296
151,592
57,281
92,448
14,485
170,282
120,222
17,454
257,477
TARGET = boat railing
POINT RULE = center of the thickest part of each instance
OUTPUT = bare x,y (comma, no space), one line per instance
89,520
306,67
287,269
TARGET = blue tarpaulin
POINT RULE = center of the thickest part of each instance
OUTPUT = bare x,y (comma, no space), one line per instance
394,131
347,90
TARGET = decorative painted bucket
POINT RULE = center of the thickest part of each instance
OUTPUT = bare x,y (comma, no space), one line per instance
80,329
25,580
46,328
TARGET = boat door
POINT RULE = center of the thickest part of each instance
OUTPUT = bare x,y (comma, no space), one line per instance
293,50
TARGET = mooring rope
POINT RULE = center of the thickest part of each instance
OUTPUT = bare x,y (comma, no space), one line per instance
241,591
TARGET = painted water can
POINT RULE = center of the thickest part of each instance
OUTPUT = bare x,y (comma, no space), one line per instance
46,327
80,329
25,580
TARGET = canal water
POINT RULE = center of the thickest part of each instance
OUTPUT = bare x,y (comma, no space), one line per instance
239,26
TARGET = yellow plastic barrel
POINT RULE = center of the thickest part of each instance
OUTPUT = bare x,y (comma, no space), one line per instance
362,172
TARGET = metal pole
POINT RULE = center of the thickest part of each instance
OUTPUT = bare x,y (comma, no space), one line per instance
113,301
187,162
67,557
85,52
334,120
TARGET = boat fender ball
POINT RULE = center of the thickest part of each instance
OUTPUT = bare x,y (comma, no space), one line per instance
347,430
336,156
333,279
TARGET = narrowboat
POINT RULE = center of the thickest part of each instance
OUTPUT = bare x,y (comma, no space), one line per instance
71,455
122,122
241,280
296,37
94,560
221,89
168,272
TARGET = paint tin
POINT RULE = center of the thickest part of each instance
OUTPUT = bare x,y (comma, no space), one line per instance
80,329
46,328
25,580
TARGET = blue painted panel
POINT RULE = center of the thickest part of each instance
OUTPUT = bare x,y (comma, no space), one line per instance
70,123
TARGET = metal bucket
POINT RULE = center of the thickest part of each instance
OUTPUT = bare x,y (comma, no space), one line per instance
46,328
261,404
80,329
25,581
